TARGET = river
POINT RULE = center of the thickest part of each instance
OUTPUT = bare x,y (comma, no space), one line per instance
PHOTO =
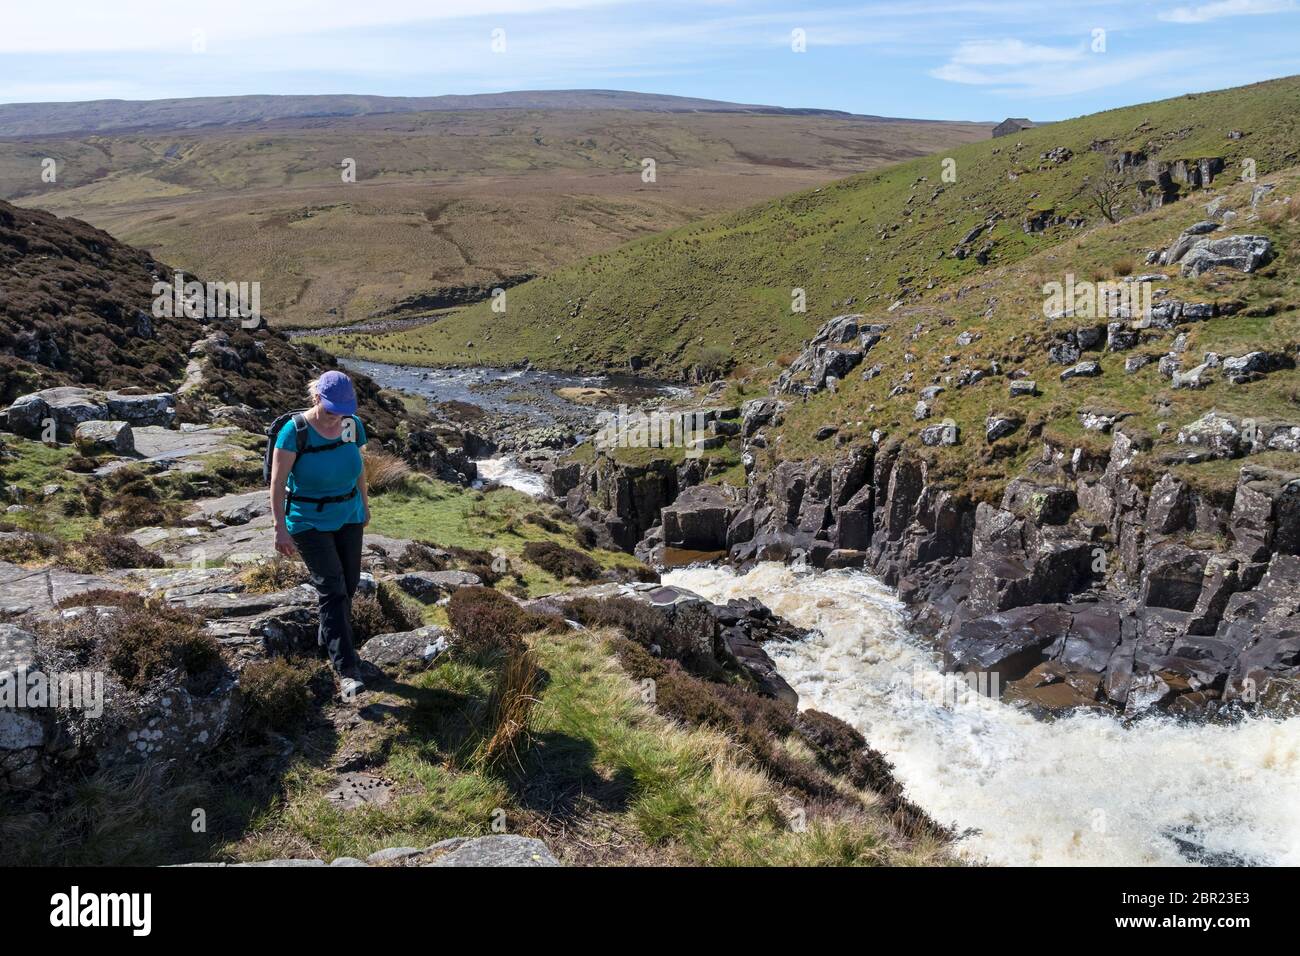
531,394
1081,790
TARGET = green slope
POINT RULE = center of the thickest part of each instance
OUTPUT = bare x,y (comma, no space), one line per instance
857,245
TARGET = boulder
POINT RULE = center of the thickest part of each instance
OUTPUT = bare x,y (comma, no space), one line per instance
563,479
1184,243
1245,253
1120,338
66,406
1194,378
101,437
699,518
834,363
756,413
1217,434
172,724
933,435
999,426
1094,633
1009,643
1089,337
1100,419
1082,370
419,647
70,406
1240,369
141,408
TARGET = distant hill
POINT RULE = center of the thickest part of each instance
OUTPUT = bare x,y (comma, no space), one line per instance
888,235
445,201
39,119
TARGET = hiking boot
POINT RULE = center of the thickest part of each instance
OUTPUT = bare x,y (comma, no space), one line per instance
350,687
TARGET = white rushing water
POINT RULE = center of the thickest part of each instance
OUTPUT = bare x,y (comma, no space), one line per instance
504,470
1081,790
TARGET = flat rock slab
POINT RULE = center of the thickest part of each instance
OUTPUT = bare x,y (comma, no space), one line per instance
426,584
17,648
421,647
357,789
222,604
23,589
235,544
157,444
232,509
182,450
504,849
230,545
184,580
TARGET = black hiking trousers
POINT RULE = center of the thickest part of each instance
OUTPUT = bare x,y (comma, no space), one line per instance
334,560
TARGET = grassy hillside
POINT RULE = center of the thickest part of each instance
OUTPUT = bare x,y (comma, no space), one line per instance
723,286
1002,310
442,200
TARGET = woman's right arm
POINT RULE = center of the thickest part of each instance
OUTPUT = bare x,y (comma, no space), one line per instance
281,464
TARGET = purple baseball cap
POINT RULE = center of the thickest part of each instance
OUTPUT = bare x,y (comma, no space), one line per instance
336,394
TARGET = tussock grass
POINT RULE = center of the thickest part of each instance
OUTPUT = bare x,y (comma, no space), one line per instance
510,712
384,471
277,574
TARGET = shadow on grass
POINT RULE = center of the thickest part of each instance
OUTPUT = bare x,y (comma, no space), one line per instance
554,776
557,778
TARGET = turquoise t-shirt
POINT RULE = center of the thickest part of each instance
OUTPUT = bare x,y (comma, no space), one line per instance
323,474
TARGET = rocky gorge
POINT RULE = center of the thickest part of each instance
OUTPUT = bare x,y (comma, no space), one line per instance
1076,588
1093,576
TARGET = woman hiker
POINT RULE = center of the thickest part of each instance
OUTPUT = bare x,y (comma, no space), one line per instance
321,506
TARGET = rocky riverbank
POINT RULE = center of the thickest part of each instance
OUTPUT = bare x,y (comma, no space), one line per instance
1089,582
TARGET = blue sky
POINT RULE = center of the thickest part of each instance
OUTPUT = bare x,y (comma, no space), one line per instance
942,59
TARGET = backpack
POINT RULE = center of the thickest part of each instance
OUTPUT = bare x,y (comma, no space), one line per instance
300,434
273,432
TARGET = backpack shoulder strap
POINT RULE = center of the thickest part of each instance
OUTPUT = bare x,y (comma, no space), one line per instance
301,438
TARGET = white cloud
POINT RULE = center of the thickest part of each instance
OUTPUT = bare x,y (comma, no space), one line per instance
1013,68
1012,53
1206,12
85,26
1005,62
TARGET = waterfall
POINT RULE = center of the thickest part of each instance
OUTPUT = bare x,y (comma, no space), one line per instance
1084,789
